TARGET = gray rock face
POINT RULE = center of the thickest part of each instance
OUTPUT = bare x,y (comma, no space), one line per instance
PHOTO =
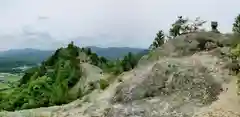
174,82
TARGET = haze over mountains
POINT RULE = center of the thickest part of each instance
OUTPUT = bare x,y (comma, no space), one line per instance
15,58
115,52
110,52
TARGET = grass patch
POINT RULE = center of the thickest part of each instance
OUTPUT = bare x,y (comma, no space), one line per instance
3,85
13,78
103,84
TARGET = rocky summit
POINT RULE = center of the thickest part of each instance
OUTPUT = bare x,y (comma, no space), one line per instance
185,77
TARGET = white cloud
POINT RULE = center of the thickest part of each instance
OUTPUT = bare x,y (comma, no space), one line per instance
101,22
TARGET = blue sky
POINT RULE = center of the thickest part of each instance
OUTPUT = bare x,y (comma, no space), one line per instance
48,24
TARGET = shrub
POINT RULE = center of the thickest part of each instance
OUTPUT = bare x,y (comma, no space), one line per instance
184,26
236,25
234,66
234,40
103,84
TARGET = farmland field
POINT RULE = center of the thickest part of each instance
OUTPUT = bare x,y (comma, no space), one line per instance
6,78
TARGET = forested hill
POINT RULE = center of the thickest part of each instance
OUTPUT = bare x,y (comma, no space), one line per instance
51,83
115,52
39,55
31,57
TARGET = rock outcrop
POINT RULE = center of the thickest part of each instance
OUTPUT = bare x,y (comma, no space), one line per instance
186,77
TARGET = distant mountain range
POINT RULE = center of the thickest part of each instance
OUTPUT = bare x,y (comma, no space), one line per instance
29,53
20,57
11,60
26,54
115,52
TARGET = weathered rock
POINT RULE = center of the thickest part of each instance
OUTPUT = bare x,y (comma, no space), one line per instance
176,80
168,77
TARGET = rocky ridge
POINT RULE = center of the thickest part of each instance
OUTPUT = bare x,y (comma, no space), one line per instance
186,77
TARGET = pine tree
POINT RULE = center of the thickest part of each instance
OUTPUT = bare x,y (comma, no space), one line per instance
94,59
132,58
158,41
125,63
236,25
117,68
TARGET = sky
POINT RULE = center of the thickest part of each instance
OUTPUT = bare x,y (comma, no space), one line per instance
49,24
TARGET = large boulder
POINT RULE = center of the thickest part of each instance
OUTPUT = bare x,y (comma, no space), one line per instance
171,87
171,76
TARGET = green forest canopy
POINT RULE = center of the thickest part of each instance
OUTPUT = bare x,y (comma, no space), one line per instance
49,83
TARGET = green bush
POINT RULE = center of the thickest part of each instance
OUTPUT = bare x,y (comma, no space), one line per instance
103,84
234,40
234,66
236,25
